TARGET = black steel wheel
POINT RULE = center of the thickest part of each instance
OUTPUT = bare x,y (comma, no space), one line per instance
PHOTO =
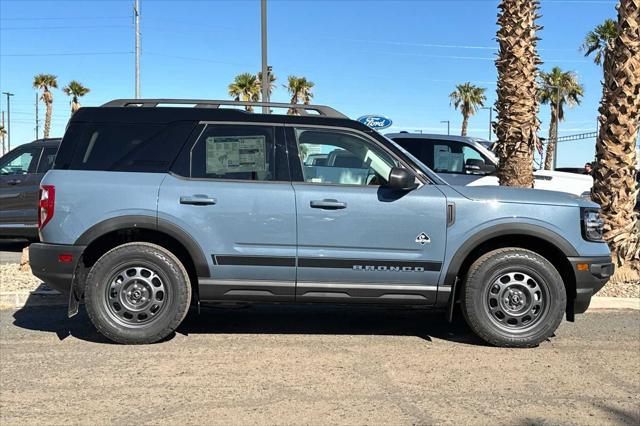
137,293
513,297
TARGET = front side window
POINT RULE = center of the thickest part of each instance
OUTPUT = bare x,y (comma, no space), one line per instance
341,158
19,163
234,152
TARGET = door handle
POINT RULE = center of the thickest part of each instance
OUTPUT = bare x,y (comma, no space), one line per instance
198,200
14,181
328,204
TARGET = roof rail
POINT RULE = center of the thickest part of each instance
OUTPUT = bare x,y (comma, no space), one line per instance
302,109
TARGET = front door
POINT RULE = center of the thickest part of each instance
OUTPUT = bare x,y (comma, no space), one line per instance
359,241
231,191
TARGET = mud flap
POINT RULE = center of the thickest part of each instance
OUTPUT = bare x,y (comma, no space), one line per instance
76,290
452,301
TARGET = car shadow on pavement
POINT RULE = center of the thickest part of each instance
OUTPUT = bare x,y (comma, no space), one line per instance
271,319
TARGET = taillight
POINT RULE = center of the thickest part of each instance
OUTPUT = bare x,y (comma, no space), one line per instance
47,204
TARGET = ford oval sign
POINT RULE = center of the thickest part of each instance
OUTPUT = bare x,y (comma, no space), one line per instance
376,122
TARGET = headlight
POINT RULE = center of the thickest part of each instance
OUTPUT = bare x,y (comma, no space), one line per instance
592,225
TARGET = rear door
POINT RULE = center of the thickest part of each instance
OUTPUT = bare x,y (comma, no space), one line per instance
231,191
359,241
15,184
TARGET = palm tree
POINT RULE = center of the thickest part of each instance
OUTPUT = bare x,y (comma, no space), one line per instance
3,133
467,98
558,88
300,90
75,90
614,173
272,82
600,41
245,87
46,82
517,105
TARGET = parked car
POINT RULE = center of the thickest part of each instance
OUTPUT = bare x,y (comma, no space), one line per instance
462,160
149,209
21,170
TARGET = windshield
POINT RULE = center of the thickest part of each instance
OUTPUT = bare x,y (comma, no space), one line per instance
423,168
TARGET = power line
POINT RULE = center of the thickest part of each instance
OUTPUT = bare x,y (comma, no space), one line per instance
64,27
66,54
61,18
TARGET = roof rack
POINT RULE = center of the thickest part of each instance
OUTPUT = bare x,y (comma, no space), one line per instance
307,110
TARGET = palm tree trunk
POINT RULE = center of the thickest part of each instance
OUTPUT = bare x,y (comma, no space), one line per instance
47,119
517,65
465,123
551,145
614,173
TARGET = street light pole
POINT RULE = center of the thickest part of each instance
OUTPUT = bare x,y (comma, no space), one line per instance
8,119
490,120
136,14
448,126
265,71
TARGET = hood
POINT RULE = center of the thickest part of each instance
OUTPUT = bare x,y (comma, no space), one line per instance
584,179
503,194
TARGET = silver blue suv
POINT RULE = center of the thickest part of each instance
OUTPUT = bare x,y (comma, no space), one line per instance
150,209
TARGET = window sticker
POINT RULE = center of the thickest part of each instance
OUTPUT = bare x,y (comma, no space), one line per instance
234,154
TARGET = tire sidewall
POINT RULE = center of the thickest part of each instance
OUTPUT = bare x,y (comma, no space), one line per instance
100,276
490,269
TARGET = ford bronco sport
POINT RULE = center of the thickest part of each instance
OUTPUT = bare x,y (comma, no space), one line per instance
150,209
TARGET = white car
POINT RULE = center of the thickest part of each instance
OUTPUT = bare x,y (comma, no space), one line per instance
463,160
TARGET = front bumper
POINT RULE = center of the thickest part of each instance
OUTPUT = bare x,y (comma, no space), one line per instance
47,264
592,273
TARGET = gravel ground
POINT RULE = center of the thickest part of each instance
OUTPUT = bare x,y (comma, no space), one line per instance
316,365
626,289
13,280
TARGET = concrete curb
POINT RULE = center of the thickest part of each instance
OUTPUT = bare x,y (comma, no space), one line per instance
54,298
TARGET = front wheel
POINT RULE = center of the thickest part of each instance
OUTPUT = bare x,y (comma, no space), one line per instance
137,293
513,298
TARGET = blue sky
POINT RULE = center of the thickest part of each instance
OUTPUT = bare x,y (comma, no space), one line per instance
396,58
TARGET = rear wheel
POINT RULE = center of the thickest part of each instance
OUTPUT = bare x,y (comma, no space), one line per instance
513,297
137,293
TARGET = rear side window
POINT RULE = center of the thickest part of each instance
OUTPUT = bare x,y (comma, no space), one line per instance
234,152
46,160
124,147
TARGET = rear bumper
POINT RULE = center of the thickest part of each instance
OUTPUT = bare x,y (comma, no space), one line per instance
589,279
46,264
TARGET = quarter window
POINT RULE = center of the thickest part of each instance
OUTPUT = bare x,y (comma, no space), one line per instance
336,157
47,159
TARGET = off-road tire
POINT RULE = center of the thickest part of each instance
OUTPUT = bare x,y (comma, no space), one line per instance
175,282
481,287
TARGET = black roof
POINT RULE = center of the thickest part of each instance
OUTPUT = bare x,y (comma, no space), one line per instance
47,141
159,115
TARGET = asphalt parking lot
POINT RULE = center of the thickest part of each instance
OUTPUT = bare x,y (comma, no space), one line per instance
316,365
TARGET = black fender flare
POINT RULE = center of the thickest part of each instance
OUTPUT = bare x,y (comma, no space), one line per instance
503,229
523,229
151,223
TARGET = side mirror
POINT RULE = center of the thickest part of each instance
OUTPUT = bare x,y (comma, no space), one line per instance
401,179
477,166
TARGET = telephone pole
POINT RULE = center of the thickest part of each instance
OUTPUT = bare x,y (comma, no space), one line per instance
8,119
136,15
265,69
490,119
448,126
2,134
37,121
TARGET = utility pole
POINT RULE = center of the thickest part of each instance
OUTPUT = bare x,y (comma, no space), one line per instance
8,119
37,121
136,15
555,133
490,119
265,69
448,126
2,134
